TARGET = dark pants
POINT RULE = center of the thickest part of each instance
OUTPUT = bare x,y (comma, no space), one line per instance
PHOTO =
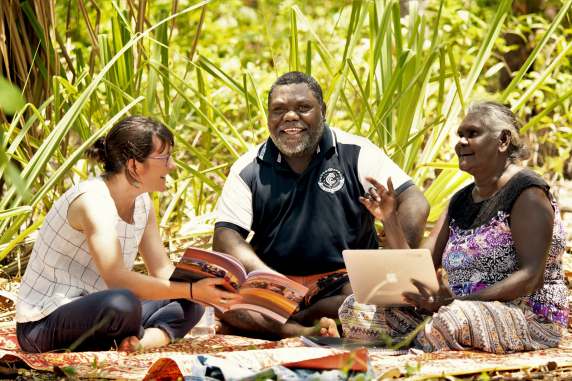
100,321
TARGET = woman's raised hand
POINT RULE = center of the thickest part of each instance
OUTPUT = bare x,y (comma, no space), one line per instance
205,290
380,201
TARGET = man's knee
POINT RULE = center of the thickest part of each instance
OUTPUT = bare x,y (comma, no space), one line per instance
234,317
347,289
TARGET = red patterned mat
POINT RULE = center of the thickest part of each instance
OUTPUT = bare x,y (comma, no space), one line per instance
176,360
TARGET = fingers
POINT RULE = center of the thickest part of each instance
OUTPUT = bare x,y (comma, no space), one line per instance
412,299
421,289
379,190
213,282
373,192
229,295
367,201
390,186
441,281
210,293
444,289
228,301
440,275
374,182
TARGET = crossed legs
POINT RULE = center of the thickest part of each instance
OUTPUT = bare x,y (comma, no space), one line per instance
461,325
315,320
109,319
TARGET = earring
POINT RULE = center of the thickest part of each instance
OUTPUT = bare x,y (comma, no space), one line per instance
135,183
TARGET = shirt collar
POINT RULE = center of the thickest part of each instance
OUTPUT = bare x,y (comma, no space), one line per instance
269,152
328,141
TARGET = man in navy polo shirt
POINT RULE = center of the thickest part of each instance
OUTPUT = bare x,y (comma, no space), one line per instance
299,192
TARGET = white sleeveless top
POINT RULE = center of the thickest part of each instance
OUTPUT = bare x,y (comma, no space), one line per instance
61,268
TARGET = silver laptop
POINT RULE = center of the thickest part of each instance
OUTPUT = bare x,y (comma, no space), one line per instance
380,276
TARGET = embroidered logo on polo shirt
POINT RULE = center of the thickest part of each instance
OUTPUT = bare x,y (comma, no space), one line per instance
331,180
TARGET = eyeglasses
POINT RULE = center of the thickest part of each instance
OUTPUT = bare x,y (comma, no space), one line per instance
162,158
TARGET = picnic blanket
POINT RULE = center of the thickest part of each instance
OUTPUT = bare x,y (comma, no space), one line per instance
175,360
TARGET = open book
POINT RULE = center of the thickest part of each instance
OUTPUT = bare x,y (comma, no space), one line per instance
268,293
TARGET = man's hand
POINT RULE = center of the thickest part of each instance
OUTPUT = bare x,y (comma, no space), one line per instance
229,241
444,296
381,202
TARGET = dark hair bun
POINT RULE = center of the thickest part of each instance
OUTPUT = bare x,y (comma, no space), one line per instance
97,151
130,138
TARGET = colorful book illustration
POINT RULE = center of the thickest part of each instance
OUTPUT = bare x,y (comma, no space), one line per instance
268,293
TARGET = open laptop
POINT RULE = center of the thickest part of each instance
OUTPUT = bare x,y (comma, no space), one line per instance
380,276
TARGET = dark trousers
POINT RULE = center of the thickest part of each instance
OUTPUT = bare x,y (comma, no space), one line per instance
100,321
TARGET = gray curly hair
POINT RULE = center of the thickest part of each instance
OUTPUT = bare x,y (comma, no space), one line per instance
499,118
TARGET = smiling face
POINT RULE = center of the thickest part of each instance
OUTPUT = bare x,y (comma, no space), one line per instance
296,120
478,146
152,175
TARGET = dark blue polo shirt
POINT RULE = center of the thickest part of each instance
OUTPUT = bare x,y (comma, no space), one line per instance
302,223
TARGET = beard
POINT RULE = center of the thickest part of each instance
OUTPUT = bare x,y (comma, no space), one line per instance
301,148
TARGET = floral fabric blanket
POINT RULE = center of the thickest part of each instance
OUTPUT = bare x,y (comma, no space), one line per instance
175,360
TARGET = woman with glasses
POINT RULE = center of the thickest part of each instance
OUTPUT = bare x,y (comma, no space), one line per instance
79,292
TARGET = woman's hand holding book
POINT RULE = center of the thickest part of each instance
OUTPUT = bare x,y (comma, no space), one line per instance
205,290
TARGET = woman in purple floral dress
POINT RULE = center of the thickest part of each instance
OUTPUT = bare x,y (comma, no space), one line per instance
501,242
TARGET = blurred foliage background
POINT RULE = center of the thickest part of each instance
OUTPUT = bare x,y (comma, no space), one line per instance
398,72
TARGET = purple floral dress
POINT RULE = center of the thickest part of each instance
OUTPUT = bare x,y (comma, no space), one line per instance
479,253
481,250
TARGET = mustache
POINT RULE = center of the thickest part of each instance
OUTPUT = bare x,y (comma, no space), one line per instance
290,125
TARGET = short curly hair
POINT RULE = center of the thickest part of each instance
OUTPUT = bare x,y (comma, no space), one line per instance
298,77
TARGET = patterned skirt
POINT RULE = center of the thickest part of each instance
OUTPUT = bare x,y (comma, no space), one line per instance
494,327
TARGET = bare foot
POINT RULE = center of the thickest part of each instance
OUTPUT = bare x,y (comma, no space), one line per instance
329,328
130,343
152,338
222,328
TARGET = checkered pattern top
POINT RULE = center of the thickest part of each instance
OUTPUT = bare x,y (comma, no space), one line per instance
61,267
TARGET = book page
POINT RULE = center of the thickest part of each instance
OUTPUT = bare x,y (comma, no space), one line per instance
221,260
271,295
190,269
197,264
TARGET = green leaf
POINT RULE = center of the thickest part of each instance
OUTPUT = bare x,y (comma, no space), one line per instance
10,97
494,69
546,111
547,36
484,376
410,370
542,78
70,371
14,212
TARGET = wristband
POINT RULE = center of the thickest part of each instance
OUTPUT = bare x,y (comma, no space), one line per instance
191,290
